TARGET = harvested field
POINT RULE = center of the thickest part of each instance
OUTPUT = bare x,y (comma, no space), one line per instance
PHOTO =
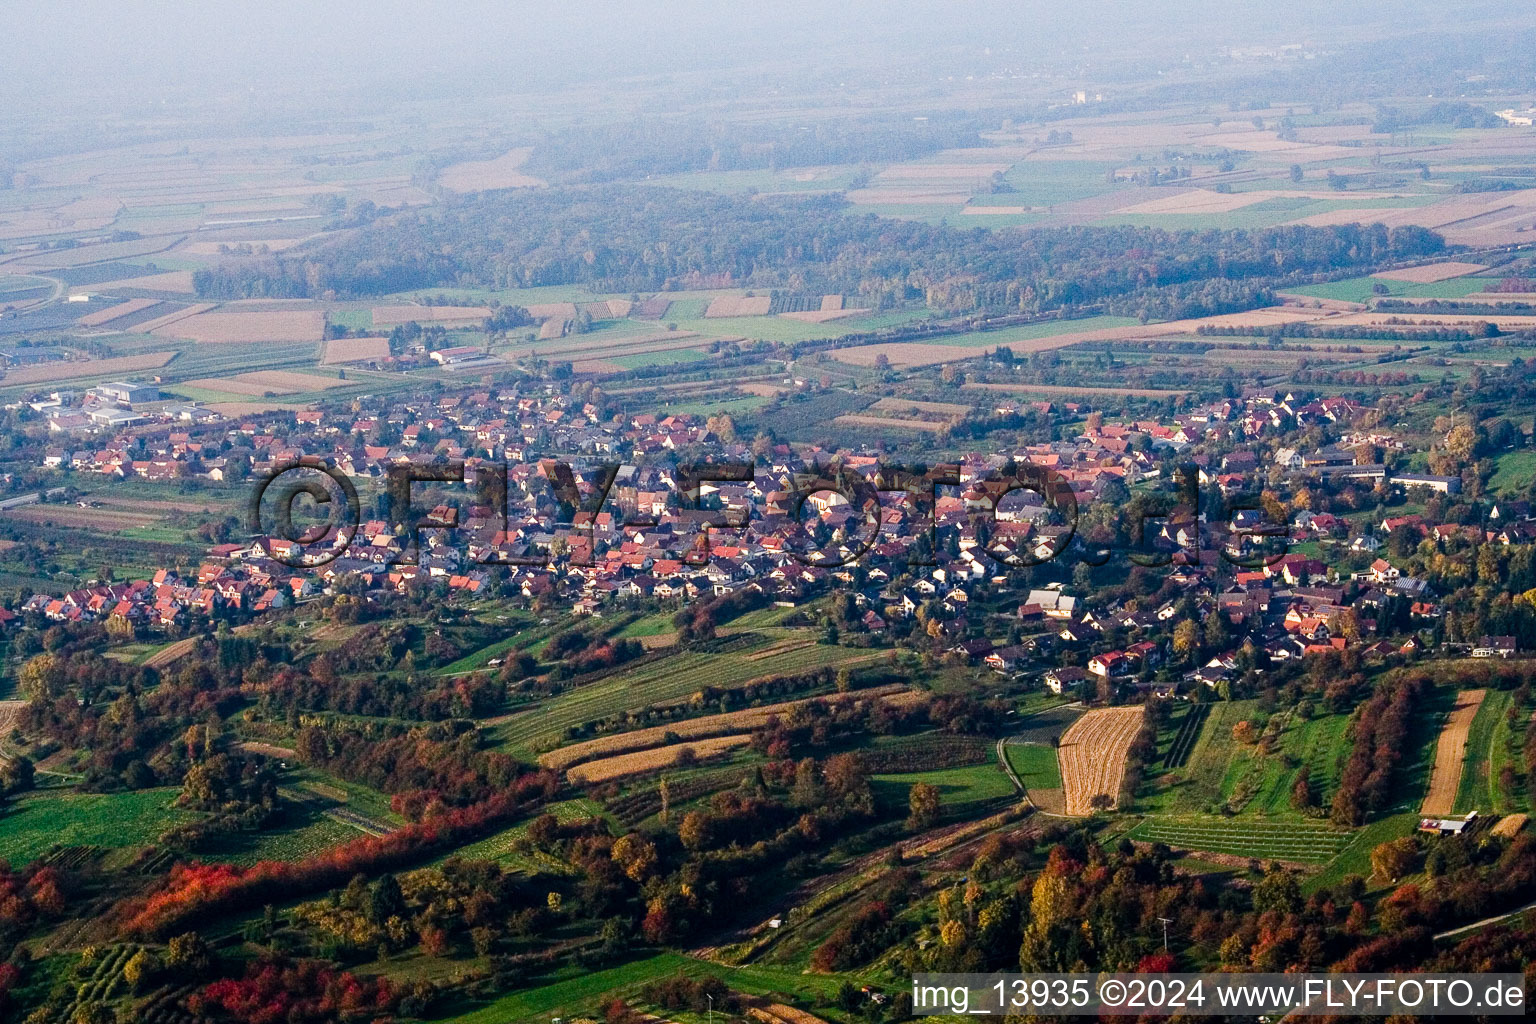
1432,273
502,172
1509,825
642,761
241,328
744,720
266,382
729,305
1198,200
856,420
762,390
355,350
551,310
10,711
1092,756
50,372
150,326
117,312
233,409
830,303
393,316
179,281
908,406
1451,754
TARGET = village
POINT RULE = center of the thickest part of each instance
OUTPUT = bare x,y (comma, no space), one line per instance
1333,583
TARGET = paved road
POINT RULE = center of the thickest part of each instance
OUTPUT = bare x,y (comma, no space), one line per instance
1485,922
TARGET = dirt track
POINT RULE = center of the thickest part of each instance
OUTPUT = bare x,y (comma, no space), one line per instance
1451,754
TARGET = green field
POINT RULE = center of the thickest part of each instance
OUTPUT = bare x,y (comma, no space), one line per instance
1479,785
583,990
1362,289
672,677
1355,858
499,847
1035,764
1289,841
306,832
34,824
1222,775
1504,749
1515,472
961,790
676,355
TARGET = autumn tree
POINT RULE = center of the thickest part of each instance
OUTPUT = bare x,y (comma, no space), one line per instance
1186,639
923,805
635,855
1394,859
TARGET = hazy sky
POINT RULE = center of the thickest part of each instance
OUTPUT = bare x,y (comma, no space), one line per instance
163,51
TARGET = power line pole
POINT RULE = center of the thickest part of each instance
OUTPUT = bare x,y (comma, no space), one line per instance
1166,921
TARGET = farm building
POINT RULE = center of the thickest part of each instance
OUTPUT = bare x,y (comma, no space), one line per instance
461,354
1443,484
1448,826
127,394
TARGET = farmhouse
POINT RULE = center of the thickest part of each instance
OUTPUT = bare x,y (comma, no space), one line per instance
1060,680
1494,647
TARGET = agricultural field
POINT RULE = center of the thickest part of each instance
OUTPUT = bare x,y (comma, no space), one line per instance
1289,842
963,792
265,382
1515,473
35,824
1479,789
1092,755
1039,769
103,369
692,729
1205,770
643,762
1451,755
671,678
245,328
